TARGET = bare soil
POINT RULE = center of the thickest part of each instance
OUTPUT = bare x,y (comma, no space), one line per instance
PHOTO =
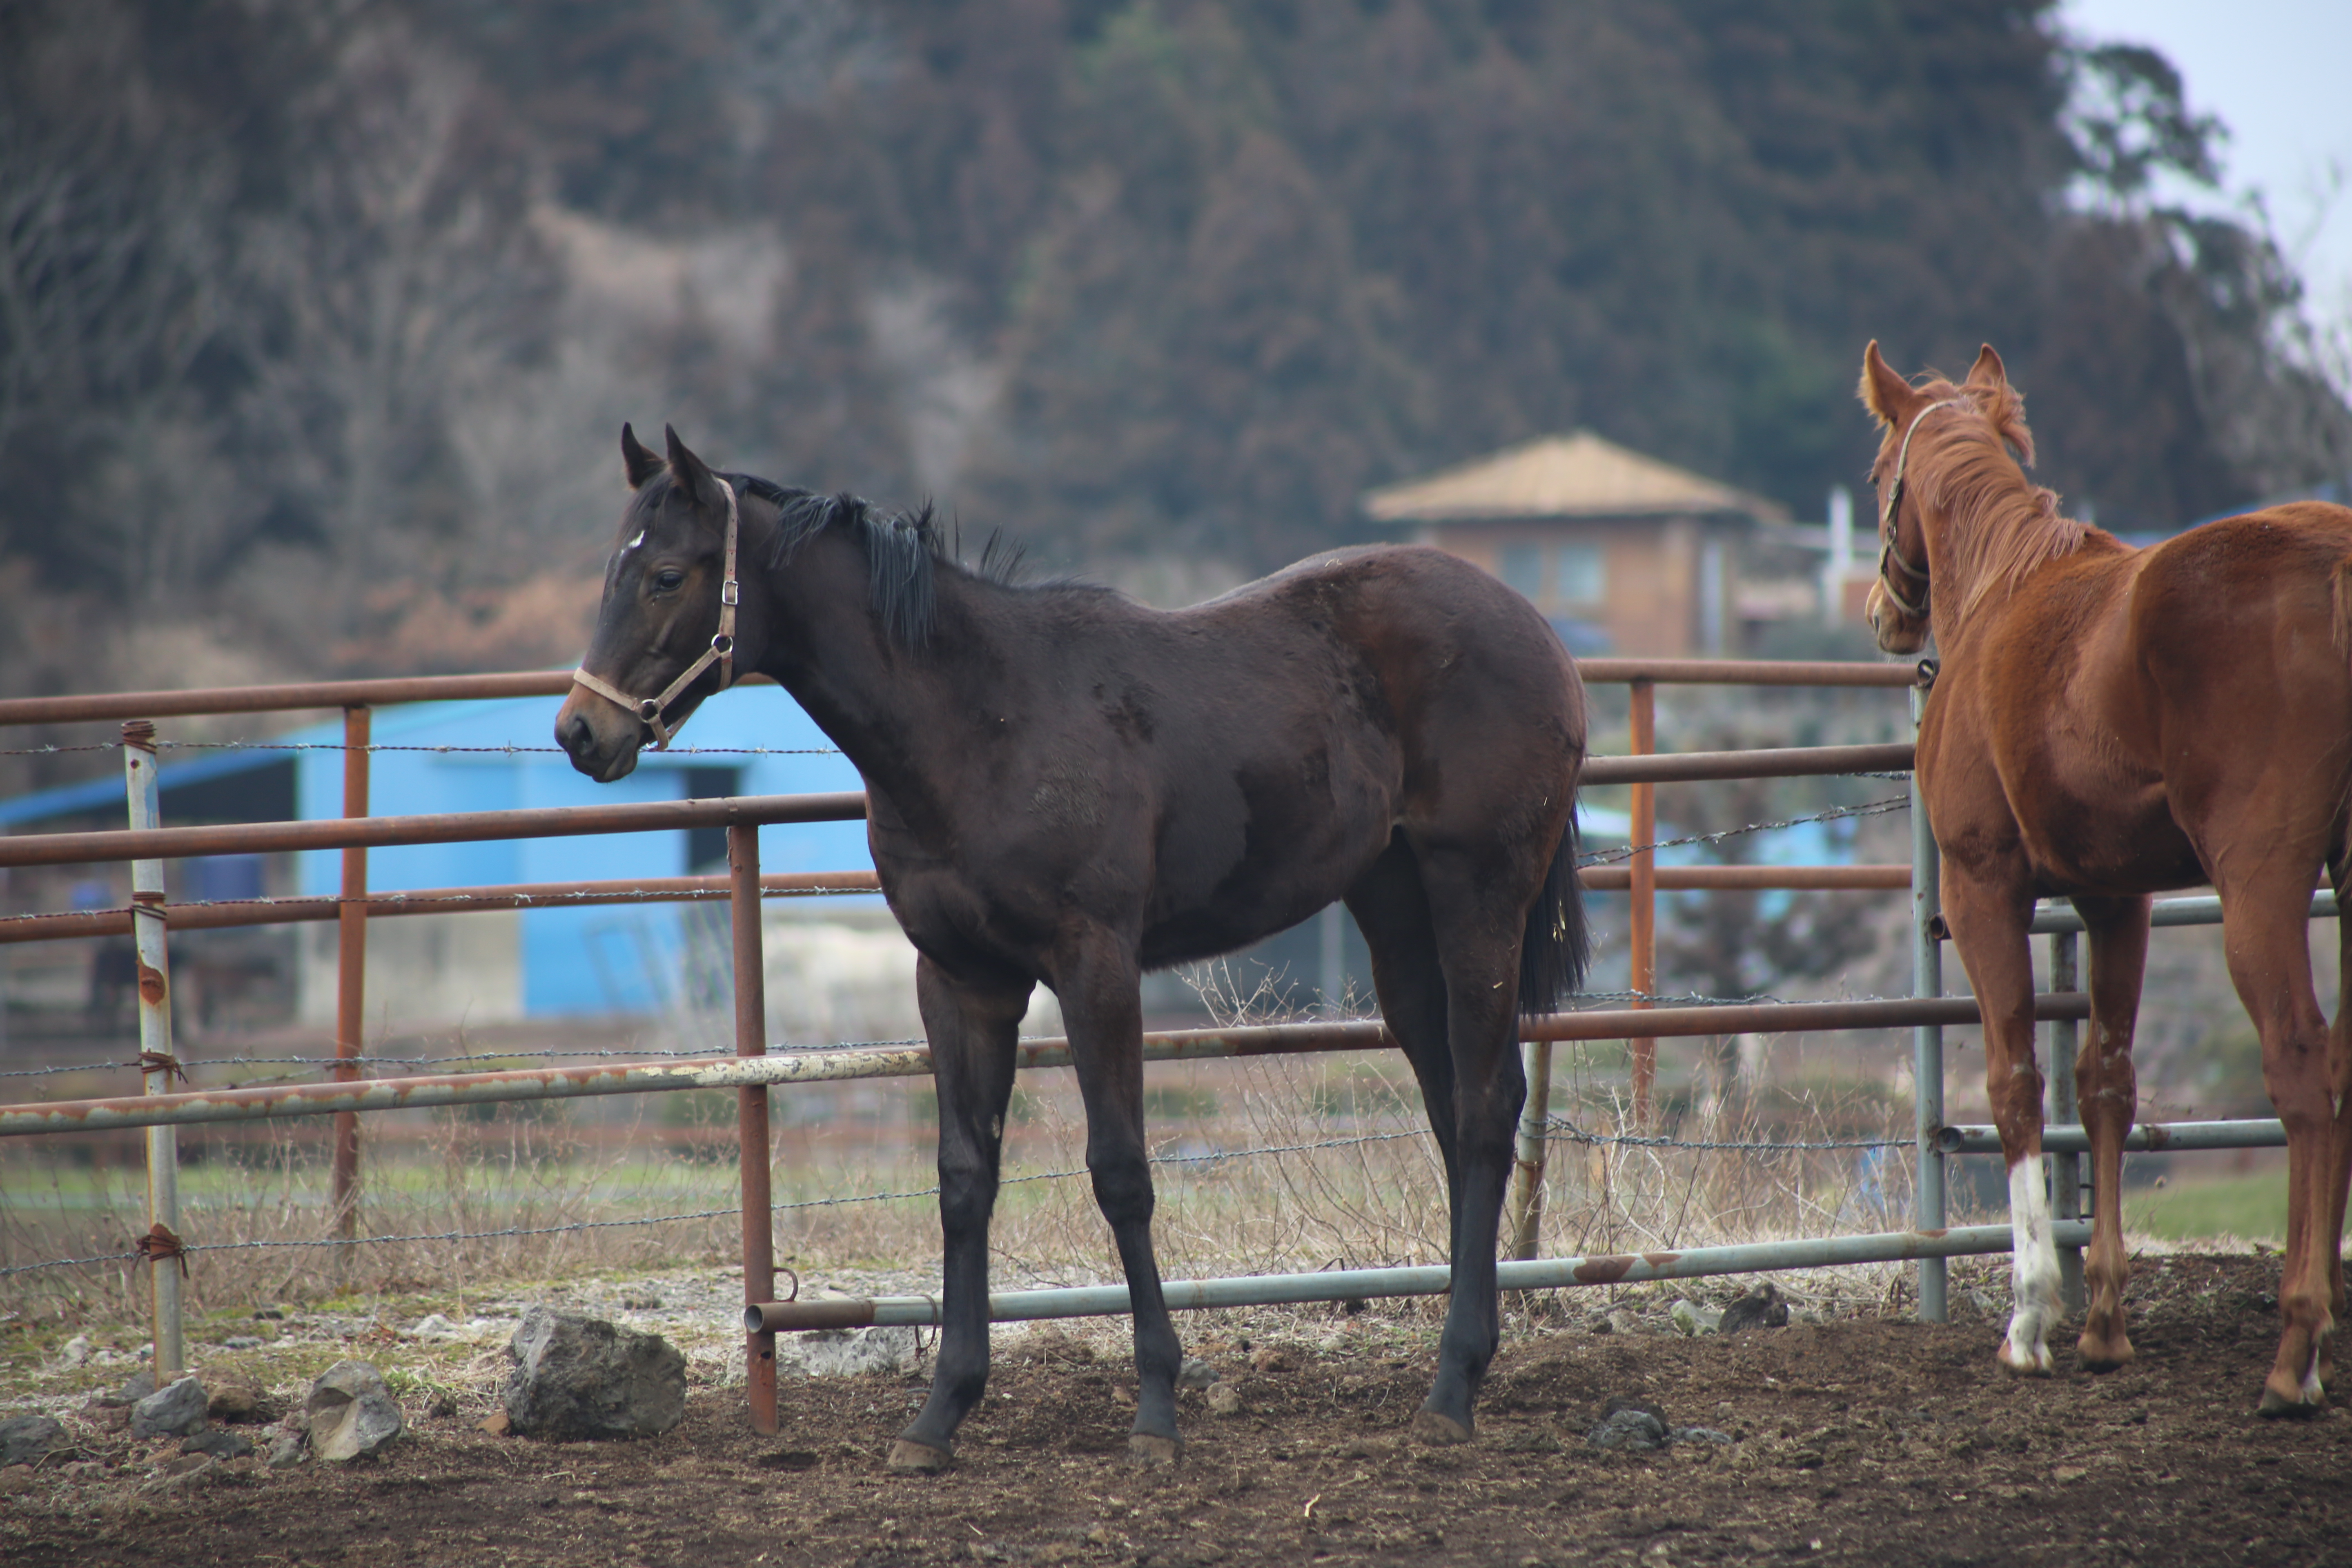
1853,1441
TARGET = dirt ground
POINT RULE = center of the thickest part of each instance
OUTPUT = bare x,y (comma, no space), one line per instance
1852,1441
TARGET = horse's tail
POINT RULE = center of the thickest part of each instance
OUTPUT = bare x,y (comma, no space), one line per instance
1558,946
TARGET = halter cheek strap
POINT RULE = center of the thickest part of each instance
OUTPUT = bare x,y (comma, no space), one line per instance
1888,557
720,652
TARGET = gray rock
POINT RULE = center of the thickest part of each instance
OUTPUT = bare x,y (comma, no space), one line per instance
219,1445
1195,1373
177,1411
239,1399
1698,1434
1622,1321
242,1342
1760,1308
1636,1431
290,1448
846,1353
141,1385
576,1376
351,1412
25,1438
77,1350
1224,1399
1691,1319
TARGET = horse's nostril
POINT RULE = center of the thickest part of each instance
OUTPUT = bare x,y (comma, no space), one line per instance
574,733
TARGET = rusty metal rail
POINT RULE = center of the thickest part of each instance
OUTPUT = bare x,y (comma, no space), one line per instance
430,828
292,698
421,1090
446,901
310,695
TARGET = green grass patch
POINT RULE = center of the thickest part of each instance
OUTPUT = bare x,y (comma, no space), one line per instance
2251,1207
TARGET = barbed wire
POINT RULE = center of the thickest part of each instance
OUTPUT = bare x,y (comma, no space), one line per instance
1558,1128
586,896
1834,813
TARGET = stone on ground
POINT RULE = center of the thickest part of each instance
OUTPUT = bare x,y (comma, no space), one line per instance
1760,1308
577,1376
25,1438
177,1411
220,1444
351,1412
239,1399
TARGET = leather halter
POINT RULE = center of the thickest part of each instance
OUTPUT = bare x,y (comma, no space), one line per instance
721,650
1888,556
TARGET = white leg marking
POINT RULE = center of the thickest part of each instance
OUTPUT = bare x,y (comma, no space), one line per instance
2033,1271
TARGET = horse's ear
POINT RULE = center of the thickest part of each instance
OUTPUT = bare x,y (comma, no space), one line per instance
691,475
1988,371
638,462
1882,392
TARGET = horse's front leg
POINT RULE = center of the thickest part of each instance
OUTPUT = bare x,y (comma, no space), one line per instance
1988,916
1096,978
2108,1091
973,1031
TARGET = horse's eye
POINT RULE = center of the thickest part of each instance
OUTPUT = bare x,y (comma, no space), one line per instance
668,579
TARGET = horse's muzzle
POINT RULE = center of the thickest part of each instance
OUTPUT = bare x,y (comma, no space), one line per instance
601,741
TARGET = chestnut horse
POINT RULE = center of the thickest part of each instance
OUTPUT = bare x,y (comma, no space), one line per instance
2107,723
1066,788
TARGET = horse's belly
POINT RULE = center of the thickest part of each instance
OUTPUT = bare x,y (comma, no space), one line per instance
2105,847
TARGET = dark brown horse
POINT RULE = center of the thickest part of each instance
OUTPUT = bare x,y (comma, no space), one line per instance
2108,723
1066,788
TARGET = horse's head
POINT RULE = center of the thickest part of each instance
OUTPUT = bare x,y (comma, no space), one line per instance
1898,606
665,636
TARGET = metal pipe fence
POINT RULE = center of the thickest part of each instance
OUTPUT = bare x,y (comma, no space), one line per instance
753,1071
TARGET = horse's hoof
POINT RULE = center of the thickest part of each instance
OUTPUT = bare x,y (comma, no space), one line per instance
1438,1429
2024,1364
1148,1451
2293,1402
914,1459
2100,1356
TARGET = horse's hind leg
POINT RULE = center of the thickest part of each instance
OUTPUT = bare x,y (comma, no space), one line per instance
2264,927
1477,929
2339,1087
1989,915
1096,977
1392,913
973,1031
2108,1090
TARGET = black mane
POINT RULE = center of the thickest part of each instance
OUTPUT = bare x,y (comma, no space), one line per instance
903,550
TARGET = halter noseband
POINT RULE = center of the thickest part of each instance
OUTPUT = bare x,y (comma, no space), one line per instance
1888,556
721,650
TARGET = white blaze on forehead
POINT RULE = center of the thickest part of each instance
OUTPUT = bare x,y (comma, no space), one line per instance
632,544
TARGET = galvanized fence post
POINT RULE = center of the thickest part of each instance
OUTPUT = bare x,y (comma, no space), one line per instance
1642,925
156,1061
1927,1043
350,984
751,1118
1527,1178
2065,1169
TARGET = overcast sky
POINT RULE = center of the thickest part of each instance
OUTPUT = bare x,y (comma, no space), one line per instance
2278,73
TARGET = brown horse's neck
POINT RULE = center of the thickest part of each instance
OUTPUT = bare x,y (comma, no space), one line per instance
827,644
1988,530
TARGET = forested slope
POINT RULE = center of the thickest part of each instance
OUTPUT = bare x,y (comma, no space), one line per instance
317,322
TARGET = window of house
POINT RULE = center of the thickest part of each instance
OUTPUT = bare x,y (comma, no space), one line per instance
1580,573
1523,569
